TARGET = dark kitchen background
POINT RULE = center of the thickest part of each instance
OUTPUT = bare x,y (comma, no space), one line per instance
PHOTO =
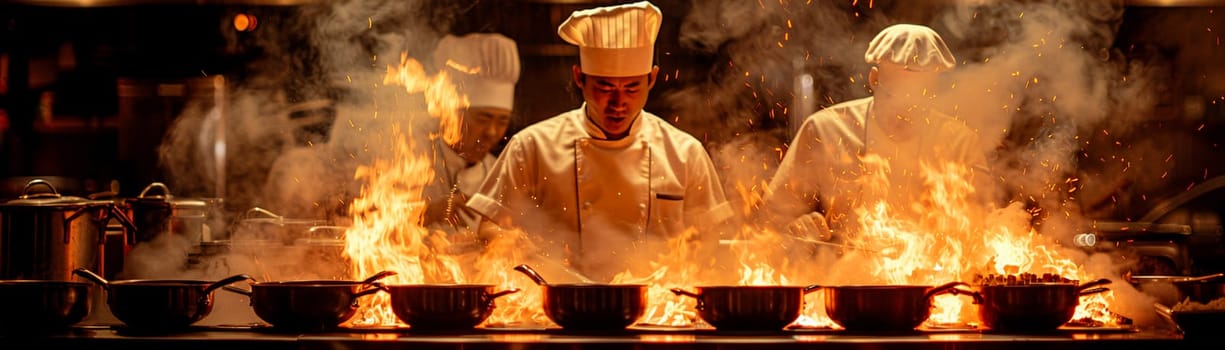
91,89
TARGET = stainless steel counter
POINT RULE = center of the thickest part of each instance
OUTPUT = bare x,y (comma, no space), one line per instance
231,338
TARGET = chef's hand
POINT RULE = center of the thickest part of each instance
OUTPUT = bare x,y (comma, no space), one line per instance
810,226
446,210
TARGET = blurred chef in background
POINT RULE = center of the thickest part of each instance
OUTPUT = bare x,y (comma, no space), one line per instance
318,182
819,181
485,67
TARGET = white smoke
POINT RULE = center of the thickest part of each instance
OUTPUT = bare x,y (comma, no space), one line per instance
324,56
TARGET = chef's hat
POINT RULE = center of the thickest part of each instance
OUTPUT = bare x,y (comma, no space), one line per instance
485,67
614,41
915,47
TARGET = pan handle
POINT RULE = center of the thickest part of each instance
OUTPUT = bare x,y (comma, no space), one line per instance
950,287
92,277
812,288
957,290
682,292
502,293
531,273
1168,314
225,282
489,298
1093,291
234,289
1094,283
375,287
378,276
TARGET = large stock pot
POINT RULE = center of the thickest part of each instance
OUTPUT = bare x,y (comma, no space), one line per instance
155,212
45,235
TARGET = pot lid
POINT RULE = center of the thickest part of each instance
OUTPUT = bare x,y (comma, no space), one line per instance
44,199
149,196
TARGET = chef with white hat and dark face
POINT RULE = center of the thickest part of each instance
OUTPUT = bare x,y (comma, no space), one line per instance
484,67
592,183
819,181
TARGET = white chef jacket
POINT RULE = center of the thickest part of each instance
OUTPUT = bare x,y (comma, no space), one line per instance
453,174
823,171
562,180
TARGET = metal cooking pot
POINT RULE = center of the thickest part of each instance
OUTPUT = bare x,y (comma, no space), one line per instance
309,305
44,236
1171,290
155,211
444,306
591,306
261,224
882,307
1030,307
749,307
159,304
42,305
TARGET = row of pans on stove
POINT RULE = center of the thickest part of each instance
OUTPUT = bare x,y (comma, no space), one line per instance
322,305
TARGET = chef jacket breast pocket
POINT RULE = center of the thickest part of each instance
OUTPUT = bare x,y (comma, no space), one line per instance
667,214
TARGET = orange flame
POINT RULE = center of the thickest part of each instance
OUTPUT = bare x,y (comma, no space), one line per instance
945,237
940,237
675,267
387,231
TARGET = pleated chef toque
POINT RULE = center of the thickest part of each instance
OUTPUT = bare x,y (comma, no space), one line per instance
614,41
916,47
484,66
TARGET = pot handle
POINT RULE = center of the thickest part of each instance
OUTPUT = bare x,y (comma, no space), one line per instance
316,231
92,277
225,282
1099,282
812,288
262,212
1093,291
375,287
155,185
950,287
377,276
73,217
128,226
25,192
